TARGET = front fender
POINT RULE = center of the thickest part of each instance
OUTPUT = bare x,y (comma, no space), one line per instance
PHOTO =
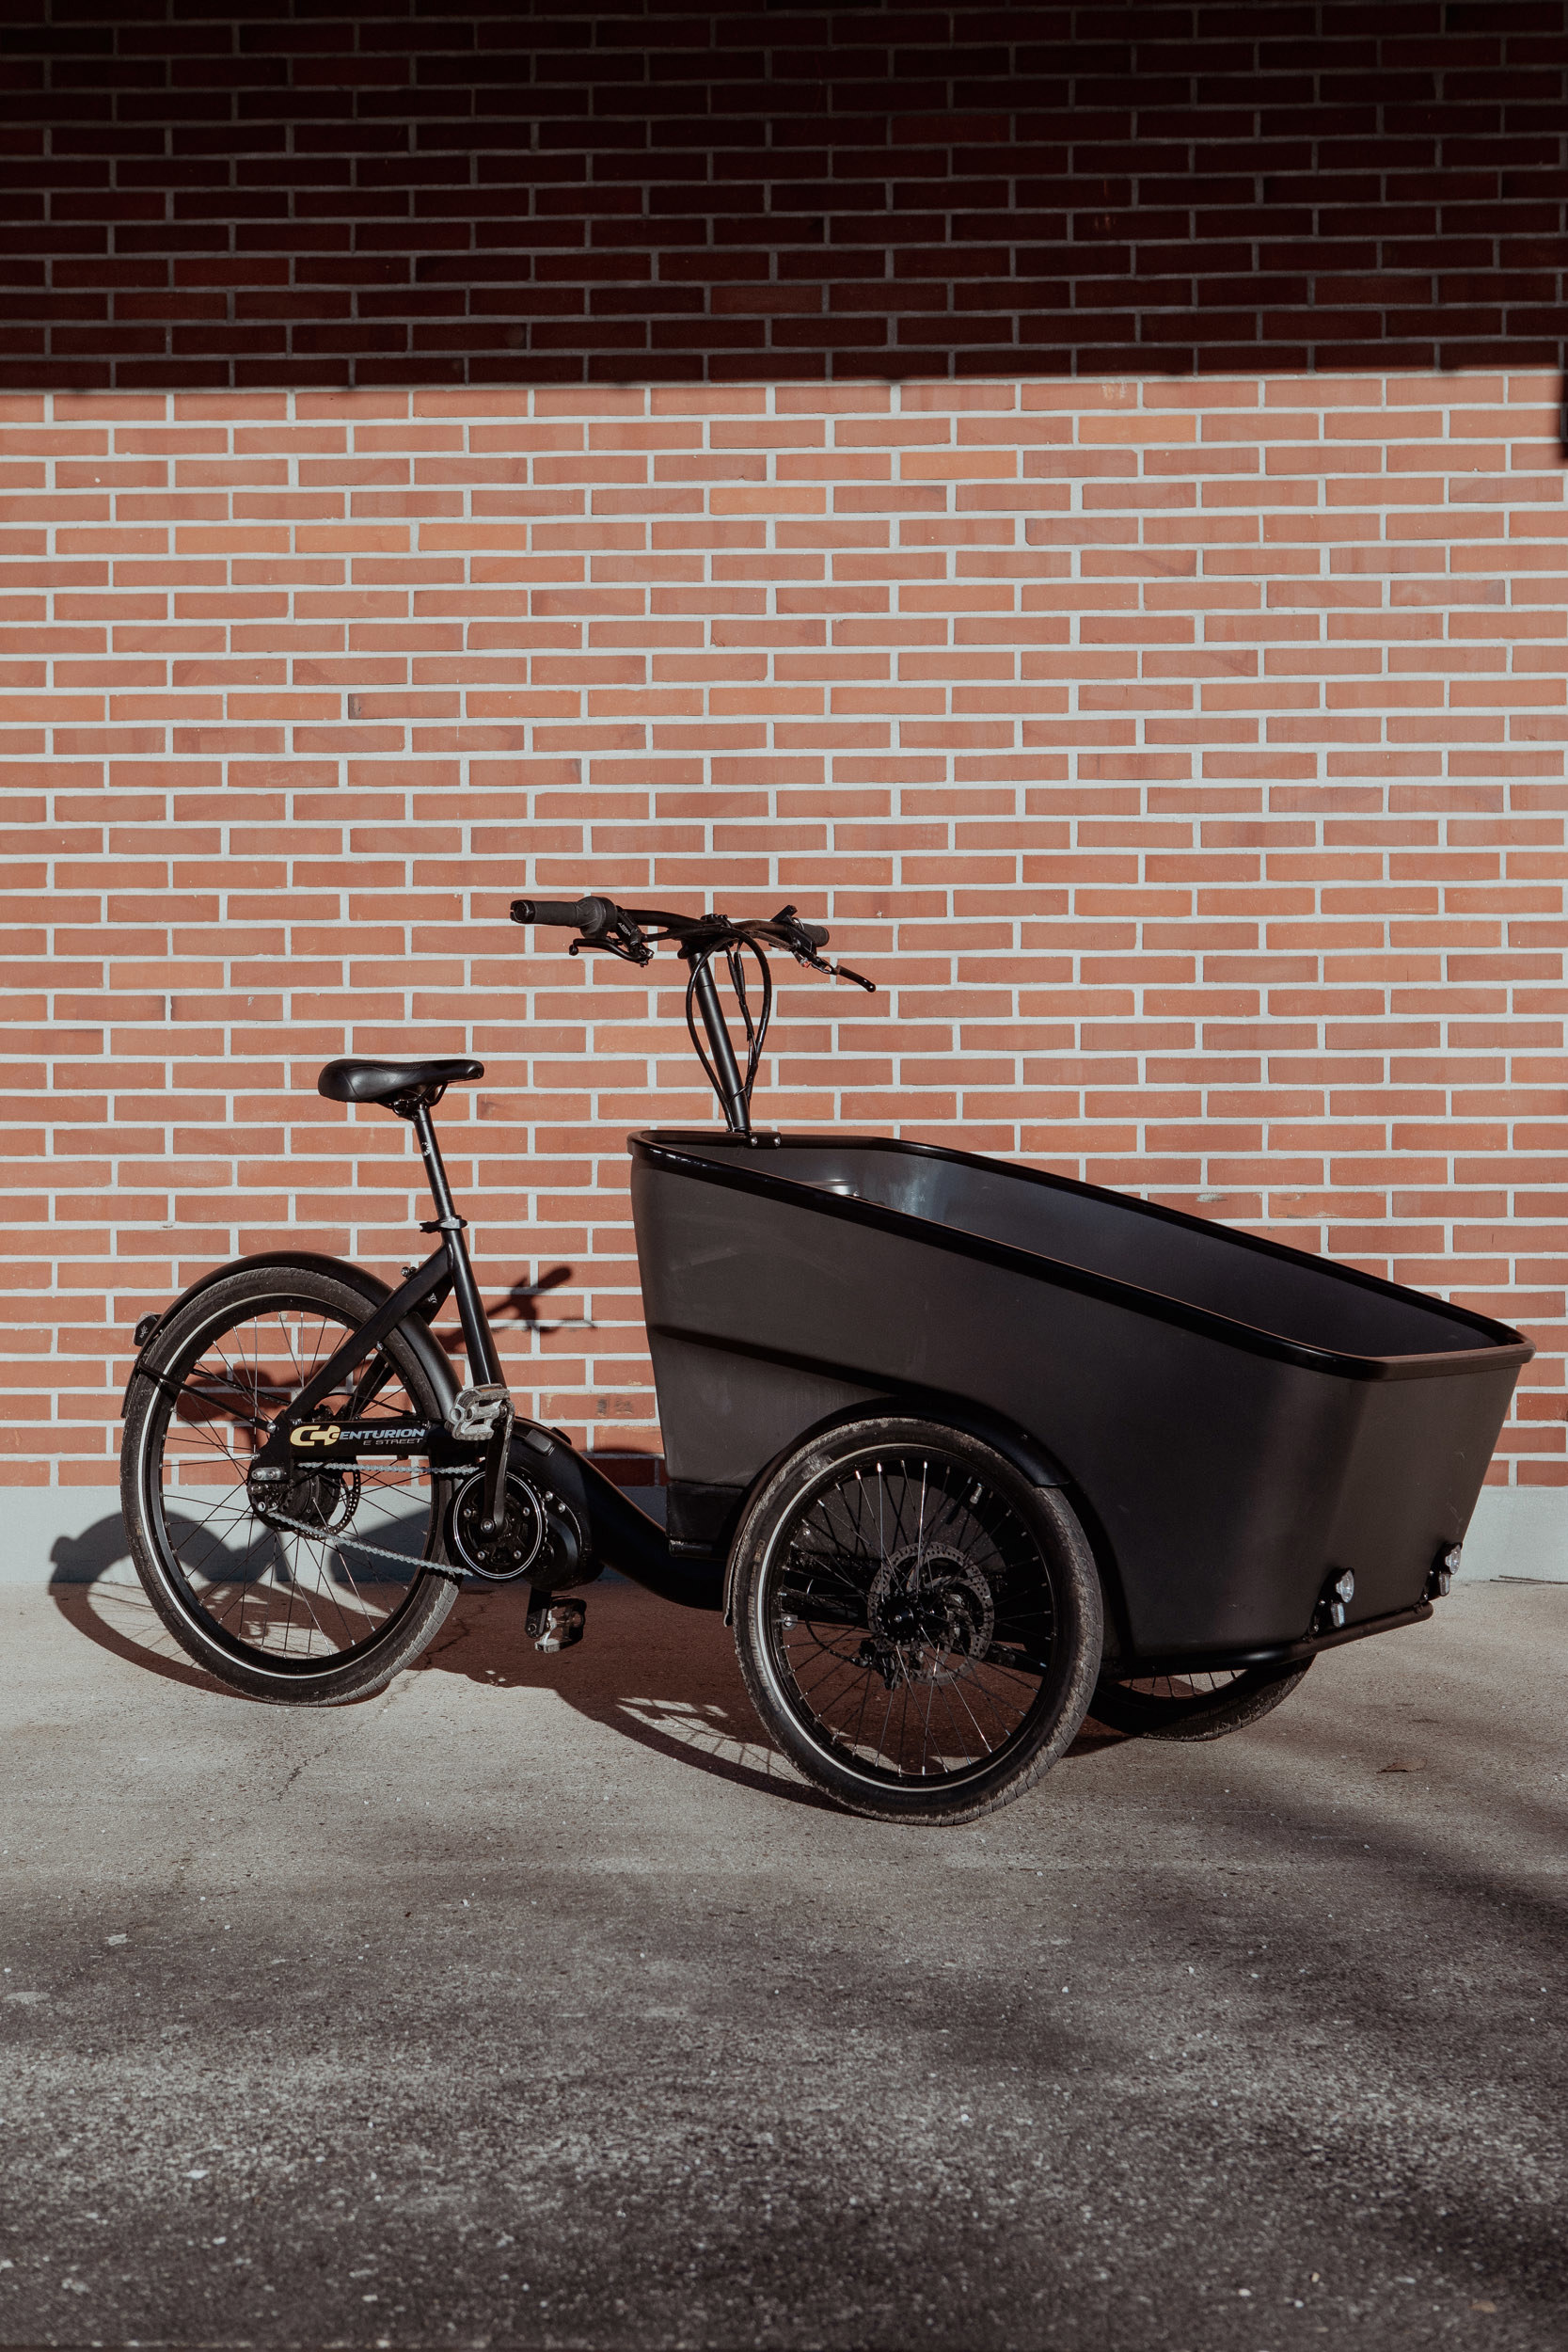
433,1361
1016,1445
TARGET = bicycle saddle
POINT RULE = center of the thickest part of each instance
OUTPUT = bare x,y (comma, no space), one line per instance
357,1079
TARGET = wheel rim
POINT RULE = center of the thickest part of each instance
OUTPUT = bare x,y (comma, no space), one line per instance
907,1618
1184,1690
292,1604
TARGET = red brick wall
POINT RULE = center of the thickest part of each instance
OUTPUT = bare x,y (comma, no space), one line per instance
415,193
1126,598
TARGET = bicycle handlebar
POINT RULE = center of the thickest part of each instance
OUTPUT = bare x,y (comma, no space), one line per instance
632,932
601,921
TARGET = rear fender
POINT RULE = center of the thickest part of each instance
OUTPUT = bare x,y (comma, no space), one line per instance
433,1361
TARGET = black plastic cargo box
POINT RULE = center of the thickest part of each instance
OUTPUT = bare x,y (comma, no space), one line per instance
1233,1420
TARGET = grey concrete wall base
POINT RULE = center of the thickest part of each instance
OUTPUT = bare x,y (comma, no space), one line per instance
1518,1531
59,1534
73,1533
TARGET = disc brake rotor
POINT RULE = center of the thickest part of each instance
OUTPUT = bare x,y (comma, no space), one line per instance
931,1616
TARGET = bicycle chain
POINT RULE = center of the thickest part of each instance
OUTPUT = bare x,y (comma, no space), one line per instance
360,1543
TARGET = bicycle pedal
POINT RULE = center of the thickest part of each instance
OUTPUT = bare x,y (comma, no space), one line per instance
555,1620
474,1413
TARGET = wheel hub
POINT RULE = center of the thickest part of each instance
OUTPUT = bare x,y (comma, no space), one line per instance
930,1614
319,1497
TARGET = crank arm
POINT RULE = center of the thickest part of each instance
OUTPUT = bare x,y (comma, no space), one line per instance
496,1455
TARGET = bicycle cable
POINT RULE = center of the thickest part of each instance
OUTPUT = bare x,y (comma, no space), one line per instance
755,1030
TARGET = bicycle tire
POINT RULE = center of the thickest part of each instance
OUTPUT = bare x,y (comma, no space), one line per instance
1177,1706
916,1559
271,1619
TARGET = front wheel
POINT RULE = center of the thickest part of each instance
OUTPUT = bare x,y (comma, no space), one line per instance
918,1626
1194,1705
310,1594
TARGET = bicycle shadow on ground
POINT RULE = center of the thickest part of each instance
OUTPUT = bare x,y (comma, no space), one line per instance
97,1592
683,1696
96,1589
663,1677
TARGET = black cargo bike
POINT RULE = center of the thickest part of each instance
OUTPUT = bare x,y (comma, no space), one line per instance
963,1449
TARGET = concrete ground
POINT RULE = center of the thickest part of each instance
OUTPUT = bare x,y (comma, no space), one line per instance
534,2003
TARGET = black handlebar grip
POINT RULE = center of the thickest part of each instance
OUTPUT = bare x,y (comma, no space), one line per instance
567,915
816,933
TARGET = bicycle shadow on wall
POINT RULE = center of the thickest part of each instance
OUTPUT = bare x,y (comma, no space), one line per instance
665,1677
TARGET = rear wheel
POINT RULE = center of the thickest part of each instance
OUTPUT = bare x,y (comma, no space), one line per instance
1194,1706
308,1594
918,1626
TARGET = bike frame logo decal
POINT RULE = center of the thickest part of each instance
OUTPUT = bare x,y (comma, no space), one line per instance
398,1437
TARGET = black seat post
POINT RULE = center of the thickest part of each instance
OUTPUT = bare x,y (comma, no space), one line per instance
483,1362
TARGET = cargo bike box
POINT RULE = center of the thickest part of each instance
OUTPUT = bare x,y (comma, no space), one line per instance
1241,1427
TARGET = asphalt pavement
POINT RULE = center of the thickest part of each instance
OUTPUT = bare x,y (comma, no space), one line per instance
534,2003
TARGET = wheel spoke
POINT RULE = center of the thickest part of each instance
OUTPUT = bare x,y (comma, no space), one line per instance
1200,1703
911,1616
272,1592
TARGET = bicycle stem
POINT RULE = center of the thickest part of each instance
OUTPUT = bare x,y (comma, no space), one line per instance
737,1116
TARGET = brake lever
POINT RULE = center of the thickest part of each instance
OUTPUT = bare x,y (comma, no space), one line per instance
791,932
809,957
622,937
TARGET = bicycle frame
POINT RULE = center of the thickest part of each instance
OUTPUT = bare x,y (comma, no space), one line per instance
471,1431
482,1414
449,1270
